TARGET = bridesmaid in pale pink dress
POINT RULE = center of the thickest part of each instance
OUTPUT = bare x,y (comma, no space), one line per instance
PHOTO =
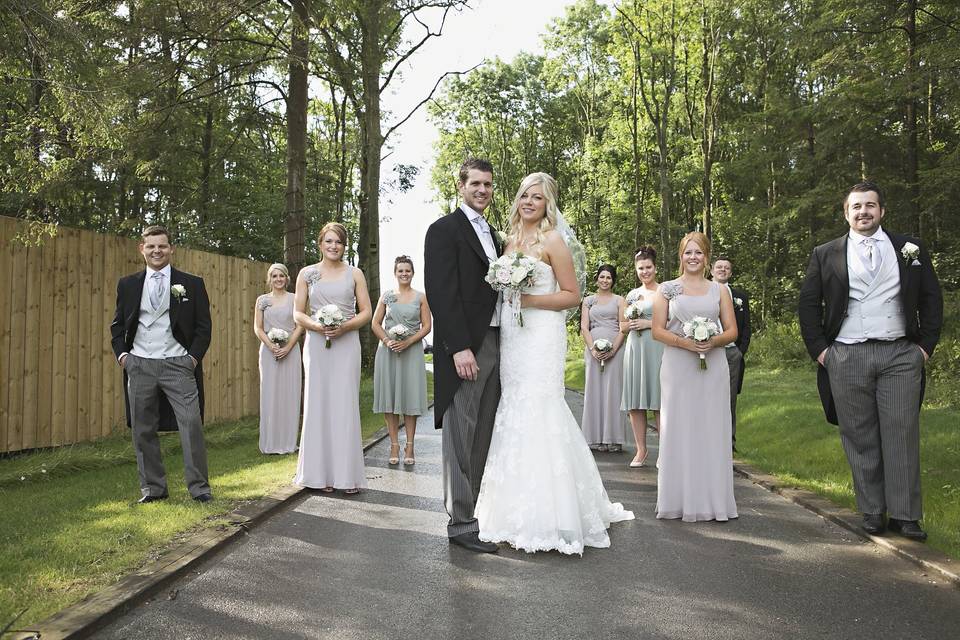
281,372
695,465
331,450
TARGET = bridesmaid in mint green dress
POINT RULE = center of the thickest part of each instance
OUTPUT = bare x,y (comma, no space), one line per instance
642,355
401,321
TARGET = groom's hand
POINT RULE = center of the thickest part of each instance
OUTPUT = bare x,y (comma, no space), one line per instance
466,364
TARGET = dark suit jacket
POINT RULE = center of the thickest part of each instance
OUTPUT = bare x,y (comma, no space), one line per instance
742,314
461,300
189,320
826,292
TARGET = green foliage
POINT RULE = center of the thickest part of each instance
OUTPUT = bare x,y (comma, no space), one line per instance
773,109
778,346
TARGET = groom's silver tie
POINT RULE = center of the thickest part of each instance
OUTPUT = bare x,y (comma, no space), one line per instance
486,238
871,256
156,293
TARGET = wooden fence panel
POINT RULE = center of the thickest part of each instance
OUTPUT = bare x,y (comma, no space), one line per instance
59,380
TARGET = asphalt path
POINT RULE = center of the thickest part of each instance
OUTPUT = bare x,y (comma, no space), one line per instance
378,565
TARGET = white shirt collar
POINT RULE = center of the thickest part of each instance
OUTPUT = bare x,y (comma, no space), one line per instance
878,235
165,271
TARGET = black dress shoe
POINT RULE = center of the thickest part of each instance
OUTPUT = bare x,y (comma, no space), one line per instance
873,523
908,529
472,541
146,499
203,497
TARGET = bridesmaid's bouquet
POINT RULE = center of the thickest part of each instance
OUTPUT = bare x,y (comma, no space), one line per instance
700,330
602,346
278,336
634,311
330,316
511,275
399,332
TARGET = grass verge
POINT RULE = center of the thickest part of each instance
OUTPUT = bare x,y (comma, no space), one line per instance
781,429
71,527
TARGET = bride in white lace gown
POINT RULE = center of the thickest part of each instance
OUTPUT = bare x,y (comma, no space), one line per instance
541,489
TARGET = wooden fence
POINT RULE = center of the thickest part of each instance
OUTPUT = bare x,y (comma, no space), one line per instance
59,380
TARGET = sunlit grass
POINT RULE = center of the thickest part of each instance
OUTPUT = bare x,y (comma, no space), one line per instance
781,429
71,527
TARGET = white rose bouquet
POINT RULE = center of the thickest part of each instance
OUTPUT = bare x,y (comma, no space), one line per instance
602,346
278,336
634,311
330,316
700,329
399,332
512,274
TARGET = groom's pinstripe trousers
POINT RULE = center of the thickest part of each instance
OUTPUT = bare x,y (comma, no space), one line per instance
878,383
467,428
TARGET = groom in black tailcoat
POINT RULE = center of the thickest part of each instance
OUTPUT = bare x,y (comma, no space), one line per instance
870,314
466,362
160,334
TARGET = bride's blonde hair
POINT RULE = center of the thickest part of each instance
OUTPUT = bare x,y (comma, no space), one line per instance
549,221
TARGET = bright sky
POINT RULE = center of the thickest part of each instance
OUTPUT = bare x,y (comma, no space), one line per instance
491,29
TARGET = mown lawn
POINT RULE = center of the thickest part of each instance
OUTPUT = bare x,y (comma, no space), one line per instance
70,525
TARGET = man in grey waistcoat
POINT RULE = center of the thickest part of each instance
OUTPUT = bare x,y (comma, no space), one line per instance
160,334
870,315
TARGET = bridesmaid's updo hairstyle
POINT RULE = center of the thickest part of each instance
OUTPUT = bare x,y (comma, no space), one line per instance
276,266
609,268
337,228
646,253
402,260
700,239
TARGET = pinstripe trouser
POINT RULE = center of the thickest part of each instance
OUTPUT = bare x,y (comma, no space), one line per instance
876,388
146,378
467,429
734,364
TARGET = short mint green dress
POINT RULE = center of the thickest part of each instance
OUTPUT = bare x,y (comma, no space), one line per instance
641,360
400,379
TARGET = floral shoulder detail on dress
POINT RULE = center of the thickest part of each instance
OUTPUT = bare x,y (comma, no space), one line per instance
590,301
671,290
389,297
312,275
264,301
633,296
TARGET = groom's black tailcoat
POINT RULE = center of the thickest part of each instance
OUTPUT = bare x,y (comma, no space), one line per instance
462,302
189,321
826,291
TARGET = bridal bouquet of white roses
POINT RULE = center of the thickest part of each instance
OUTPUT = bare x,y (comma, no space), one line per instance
700,329
278,336
330,315
399,332
634,310
602,346
512,274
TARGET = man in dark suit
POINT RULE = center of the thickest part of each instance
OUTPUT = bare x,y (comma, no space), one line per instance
466,359
722,271
160,334
870,314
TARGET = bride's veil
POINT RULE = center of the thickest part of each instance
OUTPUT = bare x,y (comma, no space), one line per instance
576,250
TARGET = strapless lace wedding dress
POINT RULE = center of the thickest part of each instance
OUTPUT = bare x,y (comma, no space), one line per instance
541,489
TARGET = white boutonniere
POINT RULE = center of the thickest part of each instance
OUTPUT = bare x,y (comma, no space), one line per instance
179,292
502,238
911,251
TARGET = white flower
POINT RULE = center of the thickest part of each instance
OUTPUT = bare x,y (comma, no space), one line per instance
700,333
518,275
179,292
738,302
278,336
398,332
602,345
910,251
503,275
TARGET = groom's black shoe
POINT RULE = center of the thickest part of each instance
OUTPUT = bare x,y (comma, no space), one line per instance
148,498
908,529
873,523
471,540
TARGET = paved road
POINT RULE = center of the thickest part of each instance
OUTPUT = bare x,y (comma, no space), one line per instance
378,565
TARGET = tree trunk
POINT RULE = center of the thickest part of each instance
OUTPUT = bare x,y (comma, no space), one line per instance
371,144
206,146
912,159
294,221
